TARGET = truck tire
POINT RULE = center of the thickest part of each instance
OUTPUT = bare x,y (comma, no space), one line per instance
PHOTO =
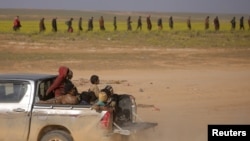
57,135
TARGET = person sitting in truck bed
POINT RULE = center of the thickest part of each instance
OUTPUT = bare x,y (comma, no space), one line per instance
57,87
90,97
112,98
101,103
70,97
94,80
87,98
107,99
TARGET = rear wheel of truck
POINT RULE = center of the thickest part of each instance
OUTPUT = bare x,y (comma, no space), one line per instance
57,135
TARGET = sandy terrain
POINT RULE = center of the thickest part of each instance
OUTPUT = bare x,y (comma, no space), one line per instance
188,93
188,100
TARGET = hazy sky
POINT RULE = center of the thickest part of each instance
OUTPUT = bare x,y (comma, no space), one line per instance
199,6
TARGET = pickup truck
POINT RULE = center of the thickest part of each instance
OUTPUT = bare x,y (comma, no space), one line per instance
22,118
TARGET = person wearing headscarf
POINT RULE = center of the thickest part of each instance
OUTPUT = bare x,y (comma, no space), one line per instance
149,24
80,24
242,23
54,24
207,23
216,23
17,24
57,86
233,23
101,23
42,25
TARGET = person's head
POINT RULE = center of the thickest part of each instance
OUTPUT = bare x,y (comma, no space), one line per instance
110,89
94,79
105,93
70,74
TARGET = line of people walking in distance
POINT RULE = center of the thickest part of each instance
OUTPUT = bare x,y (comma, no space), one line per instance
90,26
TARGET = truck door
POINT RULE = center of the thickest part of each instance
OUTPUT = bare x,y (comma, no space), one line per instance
14,110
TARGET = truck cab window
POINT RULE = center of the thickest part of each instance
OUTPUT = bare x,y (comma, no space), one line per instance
43,87
12,91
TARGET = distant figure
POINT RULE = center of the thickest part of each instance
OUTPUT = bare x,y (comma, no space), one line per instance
189,23
242,23
129,26
115,24
171,22
233,23
149,24
216,23
249,23
207,23
80,24
159,24
54,25
101,23
90,24
16,24
42,25
139,23
69,24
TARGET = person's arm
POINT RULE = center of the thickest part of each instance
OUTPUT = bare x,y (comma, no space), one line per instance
54,85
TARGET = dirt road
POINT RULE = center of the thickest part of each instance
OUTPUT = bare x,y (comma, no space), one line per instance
184,90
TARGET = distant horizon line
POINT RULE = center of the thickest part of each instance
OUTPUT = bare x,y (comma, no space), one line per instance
140,11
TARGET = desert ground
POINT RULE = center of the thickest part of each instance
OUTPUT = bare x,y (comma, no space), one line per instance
182,89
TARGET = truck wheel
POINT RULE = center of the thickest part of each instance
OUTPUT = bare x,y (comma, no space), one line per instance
57,135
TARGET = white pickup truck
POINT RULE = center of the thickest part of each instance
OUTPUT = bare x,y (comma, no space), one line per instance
23,119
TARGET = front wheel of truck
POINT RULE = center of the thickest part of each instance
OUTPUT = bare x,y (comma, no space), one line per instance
57,135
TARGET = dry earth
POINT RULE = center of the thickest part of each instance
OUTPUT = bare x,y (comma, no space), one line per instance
184,91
